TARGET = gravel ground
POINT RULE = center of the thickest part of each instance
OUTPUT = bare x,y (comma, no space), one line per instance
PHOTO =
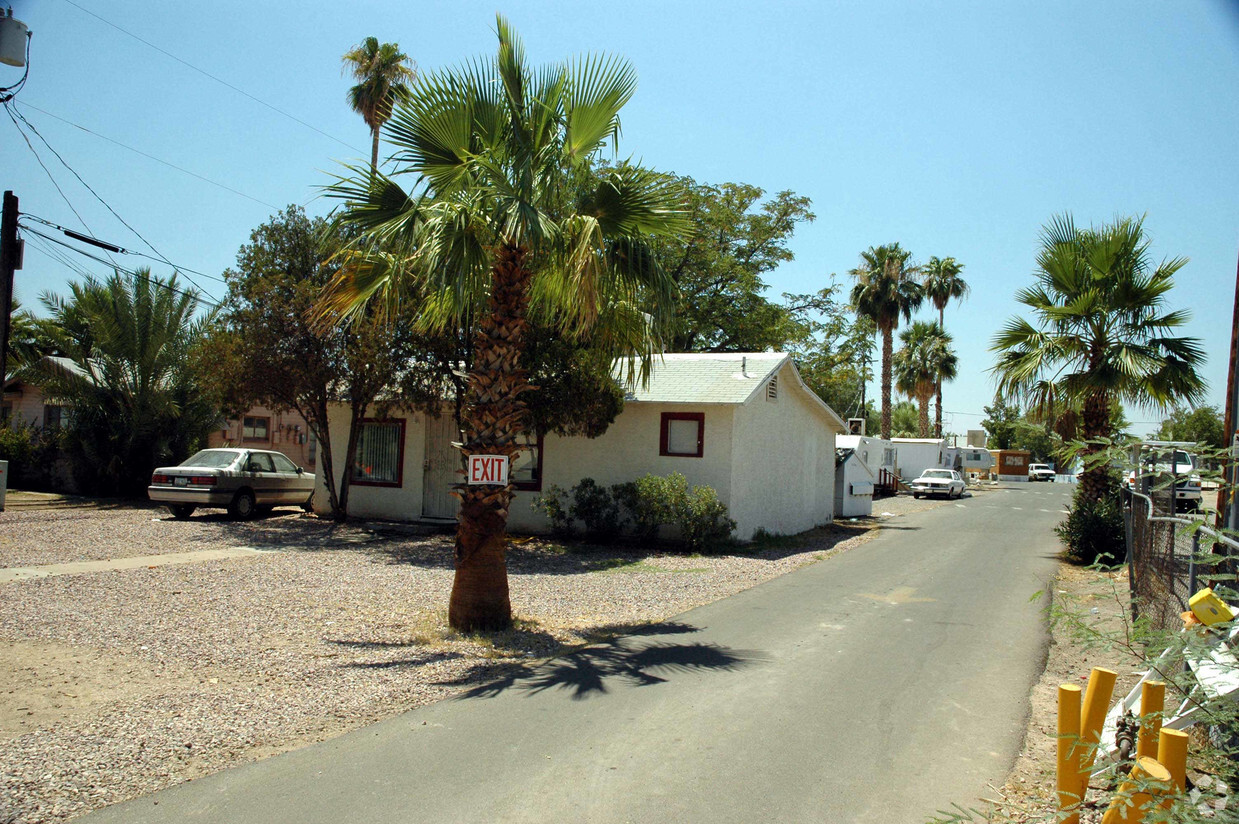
116,684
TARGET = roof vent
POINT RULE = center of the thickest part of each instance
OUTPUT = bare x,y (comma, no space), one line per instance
772,389
744,366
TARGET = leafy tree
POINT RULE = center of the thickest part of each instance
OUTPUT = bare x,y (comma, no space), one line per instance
832,349
905,419
383,74
942,285
511,219
1000,423
924,361
268,352
886,289
736,240
1099,334
27,341
135,388
1203,425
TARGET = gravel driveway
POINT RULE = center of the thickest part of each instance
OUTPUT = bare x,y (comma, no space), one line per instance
122,682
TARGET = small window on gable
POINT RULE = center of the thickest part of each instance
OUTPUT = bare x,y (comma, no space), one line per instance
772,389
682,434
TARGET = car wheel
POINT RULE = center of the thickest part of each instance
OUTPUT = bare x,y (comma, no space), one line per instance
916,495
181,511
243,505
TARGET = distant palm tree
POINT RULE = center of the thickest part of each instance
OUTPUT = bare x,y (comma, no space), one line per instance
1098,333
922,363
942,285
886,288
513,216
383,74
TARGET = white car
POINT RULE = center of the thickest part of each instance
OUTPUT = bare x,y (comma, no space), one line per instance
1041,472
246,481
945,482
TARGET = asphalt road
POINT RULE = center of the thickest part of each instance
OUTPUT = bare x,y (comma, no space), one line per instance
878,686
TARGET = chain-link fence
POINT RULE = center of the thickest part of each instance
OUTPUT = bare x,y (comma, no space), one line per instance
1171,558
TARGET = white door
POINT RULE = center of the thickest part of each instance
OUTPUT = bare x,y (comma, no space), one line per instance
443,462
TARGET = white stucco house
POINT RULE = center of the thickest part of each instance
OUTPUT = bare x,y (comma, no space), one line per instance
744,424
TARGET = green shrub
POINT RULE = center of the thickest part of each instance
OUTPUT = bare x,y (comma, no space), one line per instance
554,504
595,507
1093,531
703,519
31,453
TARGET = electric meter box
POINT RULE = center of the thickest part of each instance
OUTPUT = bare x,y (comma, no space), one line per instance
1209,608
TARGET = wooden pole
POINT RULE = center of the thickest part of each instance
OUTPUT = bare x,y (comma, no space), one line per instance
1096,705
1069,751
1152,702
1131,803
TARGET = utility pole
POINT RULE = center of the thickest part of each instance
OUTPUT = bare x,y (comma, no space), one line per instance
1228,512
10,261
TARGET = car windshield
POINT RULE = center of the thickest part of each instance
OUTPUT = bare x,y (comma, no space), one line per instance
214,458
936,473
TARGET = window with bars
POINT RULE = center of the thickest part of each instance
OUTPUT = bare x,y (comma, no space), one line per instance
380,453
526,469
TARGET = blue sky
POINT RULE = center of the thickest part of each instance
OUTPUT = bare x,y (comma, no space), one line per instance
954,128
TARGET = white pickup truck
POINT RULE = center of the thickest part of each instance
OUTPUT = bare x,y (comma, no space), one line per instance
1041,472
1157,464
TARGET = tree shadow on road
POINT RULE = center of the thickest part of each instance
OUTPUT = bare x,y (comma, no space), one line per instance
639,657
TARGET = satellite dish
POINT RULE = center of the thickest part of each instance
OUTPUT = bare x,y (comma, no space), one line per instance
13,34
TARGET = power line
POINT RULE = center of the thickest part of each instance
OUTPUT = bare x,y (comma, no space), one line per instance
120,250
195,295
13,111
46,170
152,157
213,77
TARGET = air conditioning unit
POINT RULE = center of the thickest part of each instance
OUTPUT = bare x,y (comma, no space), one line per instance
856,426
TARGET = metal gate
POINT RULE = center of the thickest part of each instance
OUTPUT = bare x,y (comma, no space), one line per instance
442,468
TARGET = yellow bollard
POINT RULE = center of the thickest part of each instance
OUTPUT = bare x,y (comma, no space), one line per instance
1131,803
1172,754
1069,752
1096,705
1152,702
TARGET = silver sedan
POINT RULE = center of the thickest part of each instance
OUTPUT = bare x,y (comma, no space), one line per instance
246,481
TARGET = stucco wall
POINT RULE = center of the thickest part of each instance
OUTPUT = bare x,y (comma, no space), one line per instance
27,404
628,450
282,436
783,463
395,503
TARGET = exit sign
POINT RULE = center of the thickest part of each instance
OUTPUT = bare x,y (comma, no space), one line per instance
488,469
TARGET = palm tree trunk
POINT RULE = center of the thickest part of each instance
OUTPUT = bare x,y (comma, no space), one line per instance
493,416
923,402
374,151
1095,481
887,356
938,398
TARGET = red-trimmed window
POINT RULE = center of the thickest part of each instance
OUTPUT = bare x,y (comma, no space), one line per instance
255,429
682,434
526,470
380,453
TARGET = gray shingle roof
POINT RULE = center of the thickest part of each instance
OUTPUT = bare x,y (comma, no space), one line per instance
707,378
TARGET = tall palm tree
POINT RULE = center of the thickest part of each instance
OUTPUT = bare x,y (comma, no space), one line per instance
922,363
886,288
383,74
512,218
942,285
1099,332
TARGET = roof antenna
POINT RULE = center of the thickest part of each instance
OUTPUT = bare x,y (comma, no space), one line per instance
744,365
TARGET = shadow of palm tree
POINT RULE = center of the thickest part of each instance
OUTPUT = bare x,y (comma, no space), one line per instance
639,658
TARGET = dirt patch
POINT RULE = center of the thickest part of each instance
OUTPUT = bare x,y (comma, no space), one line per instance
47,683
